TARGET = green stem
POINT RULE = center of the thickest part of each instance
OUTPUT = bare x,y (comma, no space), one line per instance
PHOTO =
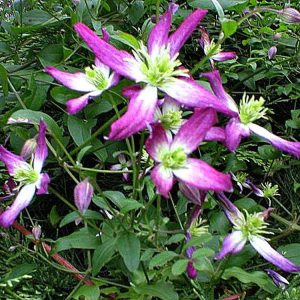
98,131
290,224
157,10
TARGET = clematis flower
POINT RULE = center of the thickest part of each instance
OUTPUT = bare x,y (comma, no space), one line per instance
93,82
172,161
279,280
209,47
28,175
123,165
157,67
272,52
250,227
83,193
249,111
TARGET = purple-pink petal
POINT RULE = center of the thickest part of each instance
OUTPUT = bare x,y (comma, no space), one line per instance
271,255
158,36
120,61
41,150
192,194
215,134
74,81
234,132
192,132
199,174
184,31
232,243
215,81
191,271
77,104
222,56
140,113
204,40
292,148
279,280
22,200
11,161
188,92
157,141
163,180
42,187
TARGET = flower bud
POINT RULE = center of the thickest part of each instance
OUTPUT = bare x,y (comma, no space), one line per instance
277,36
36,232
289,15
83,194
28,148
272,52
191,271
279,280
192,194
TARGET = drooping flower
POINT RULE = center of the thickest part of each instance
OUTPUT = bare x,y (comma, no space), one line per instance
123,165
93,82
172,161
83,193
210,48
250,110
250,227
279,280
158,67
27,175
28,148
289,15
272,52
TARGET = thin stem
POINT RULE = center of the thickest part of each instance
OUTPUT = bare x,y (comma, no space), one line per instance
157,10
176,212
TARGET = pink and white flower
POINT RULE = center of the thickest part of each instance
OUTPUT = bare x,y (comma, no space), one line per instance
29,176
173,163
157,67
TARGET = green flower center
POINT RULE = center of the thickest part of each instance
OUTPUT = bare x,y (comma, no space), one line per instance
171,120
158,69
173,159
251,109
96,77
252,224
26,175
211,49
269,190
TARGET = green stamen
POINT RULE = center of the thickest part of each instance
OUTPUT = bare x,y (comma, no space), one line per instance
209,49
26,175
252,110
252,224
269,190
158,69
96,77
171,120
173,159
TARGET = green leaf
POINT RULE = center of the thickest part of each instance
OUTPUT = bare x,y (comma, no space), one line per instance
103,255
268,152
35,17
79,129
229,27
129,247
27,115
19,271
257,277
175,239
82,239
89,293
101,202
61,94
54,216
127,39
161,290
51,54
203,252
4,80
129,204
161,259
291,251
208,4
136,11
71,217
198,240
179,267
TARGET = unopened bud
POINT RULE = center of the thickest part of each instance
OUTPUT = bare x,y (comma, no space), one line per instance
28,148
277,36
191,271
36,232
272,52
83,194
289,15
